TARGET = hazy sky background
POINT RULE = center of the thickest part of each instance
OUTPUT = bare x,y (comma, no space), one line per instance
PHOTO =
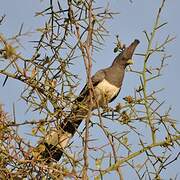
129,24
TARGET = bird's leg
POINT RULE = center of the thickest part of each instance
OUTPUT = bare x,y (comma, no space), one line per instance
104,103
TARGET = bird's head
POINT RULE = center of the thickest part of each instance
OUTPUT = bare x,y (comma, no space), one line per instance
125,57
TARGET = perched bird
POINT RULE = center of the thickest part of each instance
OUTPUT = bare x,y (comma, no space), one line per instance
107,85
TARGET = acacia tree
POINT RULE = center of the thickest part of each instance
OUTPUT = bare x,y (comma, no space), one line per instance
74,30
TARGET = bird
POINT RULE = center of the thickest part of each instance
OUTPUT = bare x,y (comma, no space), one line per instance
106,84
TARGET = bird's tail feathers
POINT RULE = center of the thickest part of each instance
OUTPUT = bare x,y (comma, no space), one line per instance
58,139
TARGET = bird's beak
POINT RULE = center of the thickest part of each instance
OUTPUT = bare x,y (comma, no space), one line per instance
128,52
130,61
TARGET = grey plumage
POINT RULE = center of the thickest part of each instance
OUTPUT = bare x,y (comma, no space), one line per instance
107,85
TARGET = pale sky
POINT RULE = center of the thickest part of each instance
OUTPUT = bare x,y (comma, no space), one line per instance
129,24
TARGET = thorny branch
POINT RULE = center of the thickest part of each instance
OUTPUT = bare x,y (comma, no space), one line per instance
72,31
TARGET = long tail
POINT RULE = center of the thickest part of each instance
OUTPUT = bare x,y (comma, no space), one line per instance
56,141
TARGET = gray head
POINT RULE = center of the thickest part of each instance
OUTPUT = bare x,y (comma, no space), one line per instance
125,57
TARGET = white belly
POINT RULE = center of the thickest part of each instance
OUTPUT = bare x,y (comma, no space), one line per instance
105,92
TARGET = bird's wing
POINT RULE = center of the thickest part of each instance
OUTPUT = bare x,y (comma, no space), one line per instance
96,78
